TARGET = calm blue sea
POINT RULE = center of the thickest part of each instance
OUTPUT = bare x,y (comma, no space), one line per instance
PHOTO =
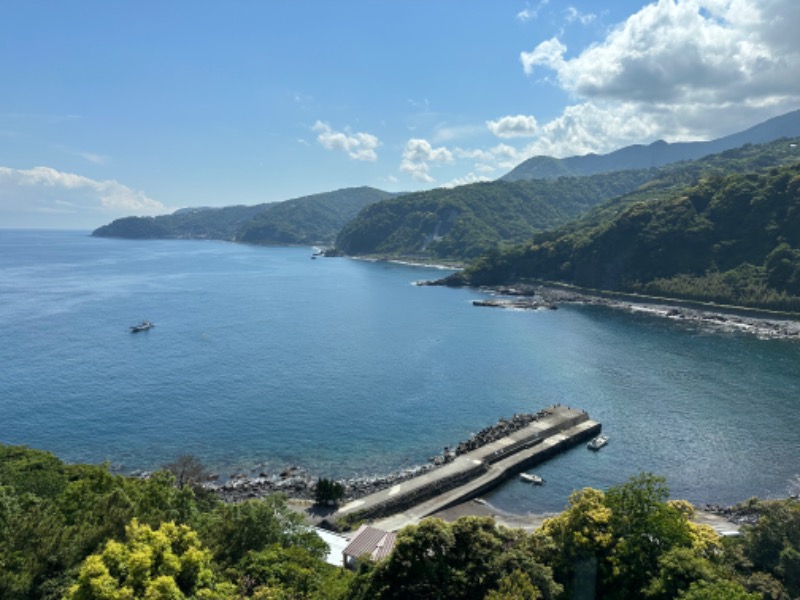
262,357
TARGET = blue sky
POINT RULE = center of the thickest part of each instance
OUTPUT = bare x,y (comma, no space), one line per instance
109,109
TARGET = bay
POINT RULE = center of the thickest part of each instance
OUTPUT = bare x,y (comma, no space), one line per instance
262,358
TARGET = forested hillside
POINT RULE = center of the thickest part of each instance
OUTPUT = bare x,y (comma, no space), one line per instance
312,219
81,533
731,239
187,223
466,221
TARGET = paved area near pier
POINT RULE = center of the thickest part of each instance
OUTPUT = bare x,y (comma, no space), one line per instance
481,469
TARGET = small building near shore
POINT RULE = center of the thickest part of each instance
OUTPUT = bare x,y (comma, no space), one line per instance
368,542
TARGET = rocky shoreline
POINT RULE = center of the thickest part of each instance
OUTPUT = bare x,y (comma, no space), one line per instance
543,297
298,483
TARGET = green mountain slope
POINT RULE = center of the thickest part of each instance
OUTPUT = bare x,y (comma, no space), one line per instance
466,221
309,220
463,222
187,223
731,239
312,219
657,154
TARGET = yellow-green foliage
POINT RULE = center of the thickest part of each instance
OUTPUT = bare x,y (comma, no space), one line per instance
583,528
164,563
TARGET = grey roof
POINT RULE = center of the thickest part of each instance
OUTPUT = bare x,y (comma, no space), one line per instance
370,541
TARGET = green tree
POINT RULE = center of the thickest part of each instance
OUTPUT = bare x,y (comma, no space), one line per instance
465,560
232,530
292,572
576,542
328,491
644,527
678,569
164,563
516,586
717,590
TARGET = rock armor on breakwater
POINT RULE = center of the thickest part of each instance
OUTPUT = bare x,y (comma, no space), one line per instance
499,430
297,482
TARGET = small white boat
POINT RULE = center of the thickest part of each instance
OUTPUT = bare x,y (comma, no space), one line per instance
535,479
598,442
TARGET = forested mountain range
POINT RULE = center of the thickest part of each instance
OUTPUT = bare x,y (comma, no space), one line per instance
464,222
657,154
314,219
467,221
732,238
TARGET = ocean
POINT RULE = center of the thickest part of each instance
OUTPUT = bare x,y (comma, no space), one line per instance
263,358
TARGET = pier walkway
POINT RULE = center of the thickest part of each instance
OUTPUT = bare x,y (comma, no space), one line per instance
472,474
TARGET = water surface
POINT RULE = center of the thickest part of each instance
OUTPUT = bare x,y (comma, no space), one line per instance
262,357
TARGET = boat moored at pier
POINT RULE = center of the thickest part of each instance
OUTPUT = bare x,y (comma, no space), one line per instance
598,442
530,478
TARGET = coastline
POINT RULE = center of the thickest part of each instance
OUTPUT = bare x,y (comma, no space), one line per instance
721,319
297,483
725,521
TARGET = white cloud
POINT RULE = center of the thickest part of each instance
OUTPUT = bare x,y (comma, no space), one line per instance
359,146
676,69
488,160
468,179
549,54
417,155
529,14
573,14
27,194
513,126
422,105
303,101
92,157
446,133
585,128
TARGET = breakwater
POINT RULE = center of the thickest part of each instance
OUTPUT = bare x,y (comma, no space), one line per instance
472,473
297,482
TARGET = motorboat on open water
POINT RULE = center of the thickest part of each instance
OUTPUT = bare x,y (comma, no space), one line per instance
143,326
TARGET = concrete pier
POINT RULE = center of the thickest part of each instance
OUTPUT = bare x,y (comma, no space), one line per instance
472,474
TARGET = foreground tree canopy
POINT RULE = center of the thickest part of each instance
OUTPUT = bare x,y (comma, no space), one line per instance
79,532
